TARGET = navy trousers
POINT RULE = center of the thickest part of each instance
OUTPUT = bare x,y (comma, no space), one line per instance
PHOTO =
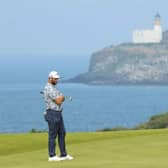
56,128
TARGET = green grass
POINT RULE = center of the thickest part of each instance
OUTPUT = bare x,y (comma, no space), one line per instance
121,149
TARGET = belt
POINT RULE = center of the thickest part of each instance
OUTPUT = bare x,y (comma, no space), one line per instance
54,110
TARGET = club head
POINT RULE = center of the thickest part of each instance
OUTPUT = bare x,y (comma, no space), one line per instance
41,92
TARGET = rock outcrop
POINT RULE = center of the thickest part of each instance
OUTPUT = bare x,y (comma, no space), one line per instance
128,63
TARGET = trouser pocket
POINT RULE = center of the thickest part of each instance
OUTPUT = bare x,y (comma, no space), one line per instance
52,115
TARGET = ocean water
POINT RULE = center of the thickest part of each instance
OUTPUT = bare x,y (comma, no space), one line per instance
92,107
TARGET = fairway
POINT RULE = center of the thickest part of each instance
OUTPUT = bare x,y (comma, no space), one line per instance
121,149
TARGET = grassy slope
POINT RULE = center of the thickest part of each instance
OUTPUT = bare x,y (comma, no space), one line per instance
122,149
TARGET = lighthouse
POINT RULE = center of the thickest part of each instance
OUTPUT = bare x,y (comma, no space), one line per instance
149,36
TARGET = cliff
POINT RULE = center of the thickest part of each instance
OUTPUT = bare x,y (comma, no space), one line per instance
128,63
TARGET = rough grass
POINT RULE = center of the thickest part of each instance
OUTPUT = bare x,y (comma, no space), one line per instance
121,149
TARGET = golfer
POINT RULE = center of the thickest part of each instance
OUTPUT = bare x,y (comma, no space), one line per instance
53,100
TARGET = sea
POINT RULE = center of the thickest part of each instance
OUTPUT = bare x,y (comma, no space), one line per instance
92,107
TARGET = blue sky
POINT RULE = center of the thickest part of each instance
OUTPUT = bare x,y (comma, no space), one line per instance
72,27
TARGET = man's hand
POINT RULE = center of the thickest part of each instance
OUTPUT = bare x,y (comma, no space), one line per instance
59,100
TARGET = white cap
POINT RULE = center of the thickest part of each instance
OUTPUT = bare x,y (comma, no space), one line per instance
54,74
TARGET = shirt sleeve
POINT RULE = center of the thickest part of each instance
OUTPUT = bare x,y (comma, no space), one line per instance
53,93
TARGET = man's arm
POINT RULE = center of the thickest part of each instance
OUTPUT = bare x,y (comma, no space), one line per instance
59,100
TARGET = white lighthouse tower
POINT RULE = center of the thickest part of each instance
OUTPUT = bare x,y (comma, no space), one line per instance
158,28
149,36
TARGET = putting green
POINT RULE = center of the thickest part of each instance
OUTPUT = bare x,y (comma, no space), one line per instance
121,149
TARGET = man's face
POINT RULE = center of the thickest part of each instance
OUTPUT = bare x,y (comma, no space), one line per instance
54,81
